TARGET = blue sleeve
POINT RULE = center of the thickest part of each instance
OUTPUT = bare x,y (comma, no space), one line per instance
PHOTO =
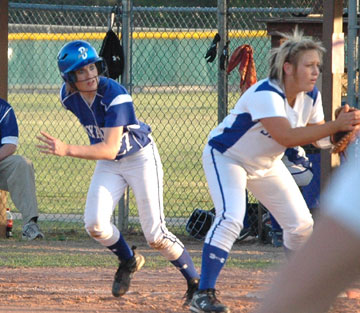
122,114
118,105
9,131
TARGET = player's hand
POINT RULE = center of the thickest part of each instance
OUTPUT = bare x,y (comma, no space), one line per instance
52,145
348,119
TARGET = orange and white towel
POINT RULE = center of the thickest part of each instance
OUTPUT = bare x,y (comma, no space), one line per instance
243,55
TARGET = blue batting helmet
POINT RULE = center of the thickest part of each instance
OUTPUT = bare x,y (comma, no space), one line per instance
75,55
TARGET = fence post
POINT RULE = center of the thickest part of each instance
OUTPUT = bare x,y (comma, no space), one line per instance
222,75
351,53
332,73
4,7
123,216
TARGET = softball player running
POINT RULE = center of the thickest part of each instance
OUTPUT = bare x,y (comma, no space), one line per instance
126,156
245,151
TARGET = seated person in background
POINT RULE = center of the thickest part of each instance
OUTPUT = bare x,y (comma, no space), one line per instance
17,173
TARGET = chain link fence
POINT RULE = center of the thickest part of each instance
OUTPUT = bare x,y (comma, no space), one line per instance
174,88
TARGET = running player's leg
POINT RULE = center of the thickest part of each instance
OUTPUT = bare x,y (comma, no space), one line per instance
145,176
106,188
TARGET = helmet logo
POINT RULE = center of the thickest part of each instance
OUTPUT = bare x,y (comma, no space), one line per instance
83,53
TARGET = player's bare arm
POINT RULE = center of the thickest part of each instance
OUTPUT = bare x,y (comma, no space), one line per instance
325,142
280,129
105,150
316,143
7,150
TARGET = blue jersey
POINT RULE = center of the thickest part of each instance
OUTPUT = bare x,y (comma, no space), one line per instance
112,107
9,131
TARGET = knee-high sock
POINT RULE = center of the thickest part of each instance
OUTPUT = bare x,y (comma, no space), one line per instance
186,266
121,249
213,260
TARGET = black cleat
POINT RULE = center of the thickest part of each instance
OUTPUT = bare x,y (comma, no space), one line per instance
193,285
204,301
125,273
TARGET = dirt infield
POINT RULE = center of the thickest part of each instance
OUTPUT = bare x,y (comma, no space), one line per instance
85,289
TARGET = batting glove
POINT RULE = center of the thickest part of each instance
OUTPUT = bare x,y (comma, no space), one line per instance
211,53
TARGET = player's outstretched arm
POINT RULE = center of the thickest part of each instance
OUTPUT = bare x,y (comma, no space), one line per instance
280,129
51,145
105,150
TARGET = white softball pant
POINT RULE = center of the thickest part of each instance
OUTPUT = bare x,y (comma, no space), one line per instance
276,190
143,172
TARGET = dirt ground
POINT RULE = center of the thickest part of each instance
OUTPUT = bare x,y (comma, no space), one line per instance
87,289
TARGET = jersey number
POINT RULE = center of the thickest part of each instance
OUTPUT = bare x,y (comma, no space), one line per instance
125,140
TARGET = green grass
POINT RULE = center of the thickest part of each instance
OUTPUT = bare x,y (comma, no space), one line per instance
55,230
15,253
180,122
44,259
232,262
17,259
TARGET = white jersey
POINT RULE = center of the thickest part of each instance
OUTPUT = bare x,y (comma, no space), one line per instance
242,137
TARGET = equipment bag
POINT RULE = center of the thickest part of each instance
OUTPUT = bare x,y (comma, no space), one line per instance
113,54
